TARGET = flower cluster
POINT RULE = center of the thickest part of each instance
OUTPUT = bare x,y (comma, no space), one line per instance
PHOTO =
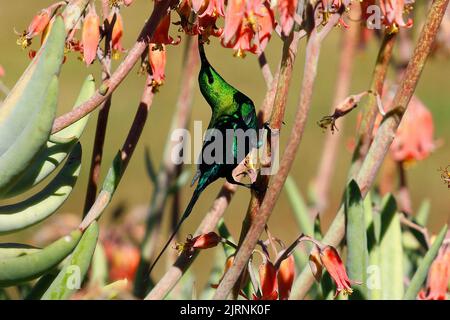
248,24
92,31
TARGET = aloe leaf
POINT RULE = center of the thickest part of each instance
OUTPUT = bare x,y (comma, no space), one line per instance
13,250
15,160
17,270
373,281
419,277
52,154
356,238
40,206
75,268
391,251
99,267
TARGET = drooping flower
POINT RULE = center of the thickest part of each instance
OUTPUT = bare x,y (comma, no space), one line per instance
117,33
233,19
2,71
438,277
243,42
333,263
268,281
161,35
203,241
414,137
206,241
123,259
287,9
157,60
285,277
328,257
38,24
248,26
90,37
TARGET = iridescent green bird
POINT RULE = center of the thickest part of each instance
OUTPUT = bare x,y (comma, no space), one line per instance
231,109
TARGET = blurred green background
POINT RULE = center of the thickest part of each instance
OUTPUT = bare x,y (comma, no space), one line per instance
136,189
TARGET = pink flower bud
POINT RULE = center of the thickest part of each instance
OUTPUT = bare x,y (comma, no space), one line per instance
206,241
90,35
285,276
157,60
38,24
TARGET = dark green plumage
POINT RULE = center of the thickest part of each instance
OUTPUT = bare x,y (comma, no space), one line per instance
231,109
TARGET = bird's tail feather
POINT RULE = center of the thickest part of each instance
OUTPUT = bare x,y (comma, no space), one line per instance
186,213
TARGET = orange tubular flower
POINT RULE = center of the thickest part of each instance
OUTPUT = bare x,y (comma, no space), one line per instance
90,36
38,24
328,257
414,138
117,32
122,258
2,71
268,281
157,60
206,241
266,22
243,42
285,276
438,277
161,35
233,19
287,9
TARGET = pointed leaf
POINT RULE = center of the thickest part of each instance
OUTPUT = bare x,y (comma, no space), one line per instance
356,238
421,273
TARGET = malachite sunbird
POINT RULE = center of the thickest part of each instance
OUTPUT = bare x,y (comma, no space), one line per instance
231,109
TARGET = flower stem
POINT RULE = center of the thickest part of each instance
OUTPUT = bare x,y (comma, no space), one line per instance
102,120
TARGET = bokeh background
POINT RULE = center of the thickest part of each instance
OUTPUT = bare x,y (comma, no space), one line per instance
136,189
